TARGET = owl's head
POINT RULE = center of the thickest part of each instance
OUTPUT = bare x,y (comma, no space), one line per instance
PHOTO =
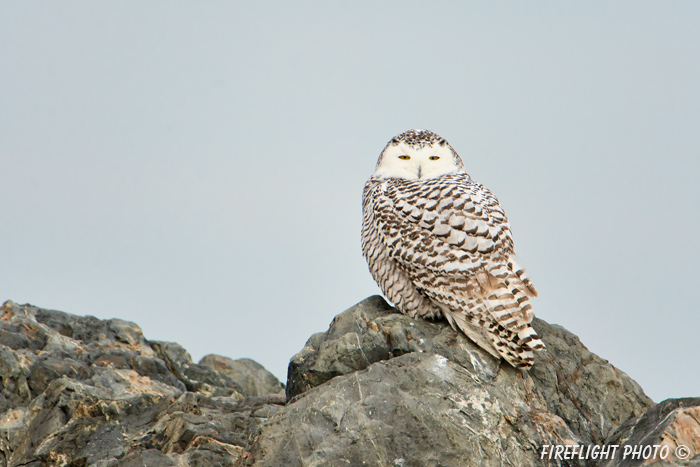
417,155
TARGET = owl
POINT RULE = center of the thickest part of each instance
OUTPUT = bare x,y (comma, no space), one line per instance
439,244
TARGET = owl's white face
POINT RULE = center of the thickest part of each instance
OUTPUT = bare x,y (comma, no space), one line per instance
411,163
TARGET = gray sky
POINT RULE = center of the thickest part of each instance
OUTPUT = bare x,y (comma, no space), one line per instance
197,167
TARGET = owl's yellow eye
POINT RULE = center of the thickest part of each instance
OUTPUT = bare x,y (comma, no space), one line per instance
404,157
434,158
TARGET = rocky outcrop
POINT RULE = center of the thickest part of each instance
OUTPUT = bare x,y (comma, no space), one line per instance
672,426
377,388
81,391
251,377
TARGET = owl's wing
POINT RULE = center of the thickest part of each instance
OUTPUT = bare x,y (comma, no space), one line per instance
447,225
452,238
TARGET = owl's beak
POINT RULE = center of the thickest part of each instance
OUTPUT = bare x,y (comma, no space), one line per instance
419,169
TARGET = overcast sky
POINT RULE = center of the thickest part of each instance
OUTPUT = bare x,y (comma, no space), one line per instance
197,167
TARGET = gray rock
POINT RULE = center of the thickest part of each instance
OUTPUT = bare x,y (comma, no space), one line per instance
81,391
381,388
417,409
669,424
593,396
377,388
250,377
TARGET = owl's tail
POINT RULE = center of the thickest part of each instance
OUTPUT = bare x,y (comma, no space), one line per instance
500,323
510,328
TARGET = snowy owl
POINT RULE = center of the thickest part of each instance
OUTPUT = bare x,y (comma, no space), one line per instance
439,244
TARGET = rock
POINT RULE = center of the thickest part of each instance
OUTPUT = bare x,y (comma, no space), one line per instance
587,391
669,424
377,388
251,377
83,391
381,388
409,410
